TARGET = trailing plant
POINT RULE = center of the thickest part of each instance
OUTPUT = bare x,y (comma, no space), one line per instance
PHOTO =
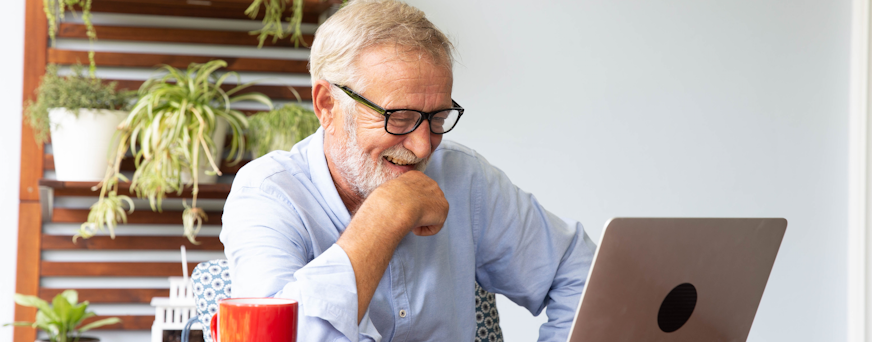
272,20
61,319
169,131
54,12
74,92
280,128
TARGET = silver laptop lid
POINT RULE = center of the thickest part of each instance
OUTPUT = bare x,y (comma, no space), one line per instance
677,279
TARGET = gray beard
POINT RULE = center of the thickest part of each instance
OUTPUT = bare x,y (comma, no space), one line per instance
359,170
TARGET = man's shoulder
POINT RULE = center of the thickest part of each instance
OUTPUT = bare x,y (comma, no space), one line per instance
453,160
454,150
272,165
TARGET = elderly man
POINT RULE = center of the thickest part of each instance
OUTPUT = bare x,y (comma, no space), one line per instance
354,222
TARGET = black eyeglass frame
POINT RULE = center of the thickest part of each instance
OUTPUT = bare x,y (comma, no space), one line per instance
387,112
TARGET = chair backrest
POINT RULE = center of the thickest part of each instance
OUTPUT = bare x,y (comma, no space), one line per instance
211,283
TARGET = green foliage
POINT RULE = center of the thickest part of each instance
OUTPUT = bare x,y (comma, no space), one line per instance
74,92
61,319
280,128
272,20
169,131
54,12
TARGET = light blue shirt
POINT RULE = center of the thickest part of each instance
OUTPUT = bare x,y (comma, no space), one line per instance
284,215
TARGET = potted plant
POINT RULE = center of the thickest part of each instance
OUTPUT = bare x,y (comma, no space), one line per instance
62,318
54,13
172,130
280,128
81,113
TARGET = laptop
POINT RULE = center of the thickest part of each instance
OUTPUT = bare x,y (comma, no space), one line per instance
677,279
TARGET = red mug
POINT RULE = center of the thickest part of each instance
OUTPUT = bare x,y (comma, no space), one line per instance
255,319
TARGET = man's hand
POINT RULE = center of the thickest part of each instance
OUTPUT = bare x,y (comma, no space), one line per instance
413,200
410,203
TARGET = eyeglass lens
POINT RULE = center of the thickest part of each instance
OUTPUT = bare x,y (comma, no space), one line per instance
404,121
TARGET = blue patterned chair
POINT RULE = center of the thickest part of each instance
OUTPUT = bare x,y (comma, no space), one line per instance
211,283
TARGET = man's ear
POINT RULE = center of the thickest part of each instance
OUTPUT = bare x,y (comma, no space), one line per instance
324,105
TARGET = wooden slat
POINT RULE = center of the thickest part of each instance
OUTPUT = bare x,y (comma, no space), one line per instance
34,67
174,35
127,322
29,218
84,189
203,8
27,272
94,296
112,269
102,242
273,92
128,164
142,60
143,215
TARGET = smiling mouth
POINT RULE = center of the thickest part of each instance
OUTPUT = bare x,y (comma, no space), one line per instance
397,161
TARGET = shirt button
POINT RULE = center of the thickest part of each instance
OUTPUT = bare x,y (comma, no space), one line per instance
402,313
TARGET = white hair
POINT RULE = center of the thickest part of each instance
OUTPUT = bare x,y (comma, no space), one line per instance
362,24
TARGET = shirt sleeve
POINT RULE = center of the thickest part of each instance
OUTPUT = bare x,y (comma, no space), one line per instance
267,246
528,254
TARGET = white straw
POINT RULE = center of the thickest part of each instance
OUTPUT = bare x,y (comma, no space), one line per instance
184,266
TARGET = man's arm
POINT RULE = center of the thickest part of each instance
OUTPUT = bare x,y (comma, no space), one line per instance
269,246
412,202
530,255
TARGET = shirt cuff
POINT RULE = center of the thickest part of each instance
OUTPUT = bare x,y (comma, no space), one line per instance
328,290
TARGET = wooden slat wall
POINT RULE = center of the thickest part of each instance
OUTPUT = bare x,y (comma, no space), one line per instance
144,60
65,242
100,296
110,269
174,35
85,189
34,243
128,164
228,9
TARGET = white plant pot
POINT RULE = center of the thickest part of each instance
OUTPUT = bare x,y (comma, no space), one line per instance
82,143
218,137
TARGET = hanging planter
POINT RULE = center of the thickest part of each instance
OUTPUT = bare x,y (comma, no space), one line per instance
172,129
81,142
81,115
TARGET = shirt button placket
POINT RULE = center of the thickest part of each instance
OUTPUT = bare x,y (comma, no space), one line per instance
403,320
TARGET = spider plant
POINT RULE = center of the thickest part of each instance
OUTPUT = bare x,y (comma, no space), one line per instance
280,128
272,20
54,13
169,131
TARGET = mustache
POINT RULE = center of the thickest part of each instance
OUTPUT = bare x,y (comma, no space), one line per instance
401,153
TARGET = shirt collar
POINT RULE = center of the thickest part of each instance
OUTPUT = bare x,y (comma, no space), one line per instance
320,173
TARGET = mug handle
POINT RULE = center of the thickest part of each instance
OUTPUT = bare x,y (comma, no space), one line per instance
213,327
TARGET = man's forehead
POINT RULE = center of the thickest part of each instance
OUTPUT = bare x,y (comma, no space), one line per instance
400,60
406,79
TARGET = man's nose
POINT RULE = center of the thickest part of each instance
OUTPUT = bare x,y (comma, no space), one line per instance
418,141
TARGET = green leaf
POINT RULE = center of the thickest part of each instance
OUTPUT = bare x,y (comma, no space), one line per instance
71,295
100,323
31,301
62,308
19,324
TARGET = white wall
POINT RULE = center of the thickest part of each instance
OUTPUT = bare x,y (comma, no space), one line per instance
12,59
671,108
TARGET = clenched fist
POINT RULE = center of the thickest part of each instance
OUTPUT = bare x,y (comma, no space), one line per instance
412,201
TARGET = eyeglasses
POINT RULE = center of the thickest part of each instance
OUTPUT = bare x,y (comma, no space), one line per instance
405,121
